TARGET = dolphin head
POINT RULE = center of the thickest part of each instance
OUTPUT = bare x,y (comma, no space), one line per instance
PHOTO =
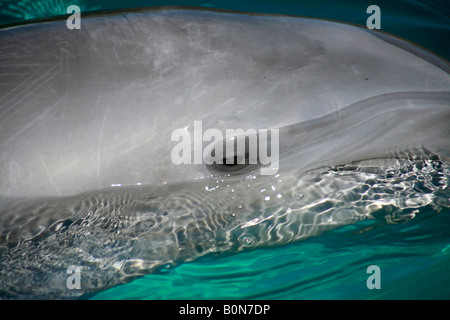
88,119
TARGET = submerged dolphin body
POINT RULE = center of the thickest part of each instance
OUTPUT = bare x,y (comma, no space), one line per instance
363,122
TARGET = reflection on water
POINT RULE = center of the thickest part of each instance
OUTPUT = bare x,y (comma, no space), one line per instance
143,230
413,256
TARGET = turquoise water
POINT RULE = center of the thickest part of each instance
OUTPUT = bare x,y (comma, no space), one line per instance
414,259
413,256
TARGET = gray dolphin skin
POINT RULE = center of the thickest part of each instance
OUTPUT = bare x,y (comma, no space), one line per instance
86,118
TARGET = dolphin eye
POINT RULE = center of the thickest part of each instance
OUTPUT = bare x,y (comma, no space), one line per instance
234,164
241,161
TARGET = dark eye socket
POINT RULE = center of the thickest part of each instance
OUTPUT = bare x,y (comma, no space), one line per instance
243,160
230,162
236,164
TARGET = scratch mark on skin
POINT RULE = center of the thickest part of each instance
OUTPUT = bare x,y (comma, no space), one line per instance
99,149
48,174
129,24
37,83
39,120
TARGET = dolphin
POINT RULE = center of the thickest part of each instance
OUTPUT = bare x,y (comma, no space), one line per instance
86,118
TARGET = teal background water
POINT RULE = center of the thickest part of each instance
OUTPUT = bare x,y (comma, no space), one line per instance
414,257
